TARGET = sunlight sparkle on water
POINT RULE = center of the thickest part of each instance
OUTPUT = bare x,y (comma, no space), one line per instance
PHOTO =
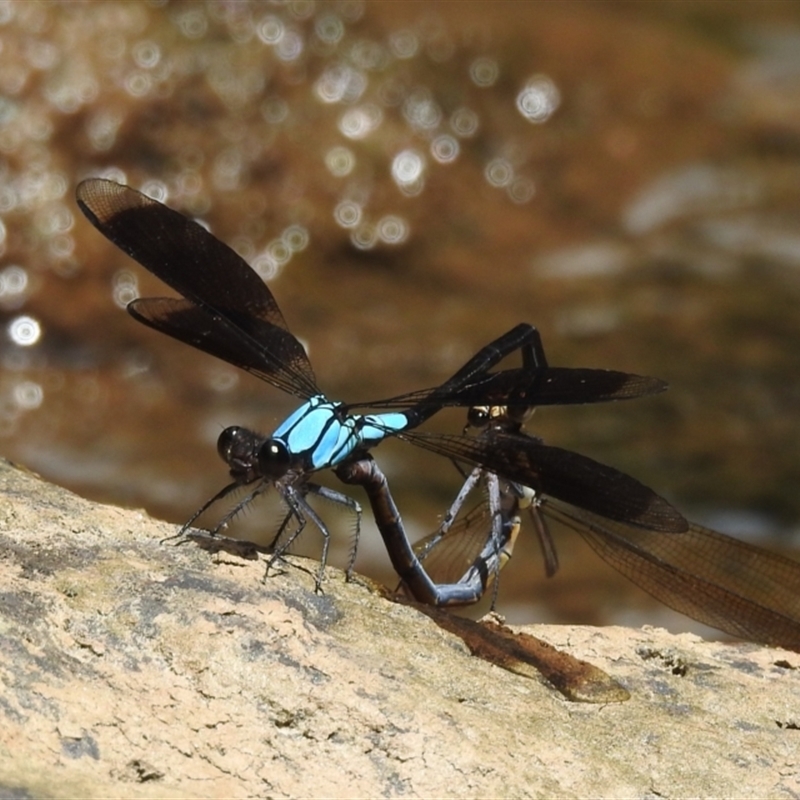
279,252
270,30
369,55
392,229
227,169
189,182
291,45
296,238
464,122
244,246
102,128
484,72
365,236
124,287
274,110
220,377
265,265
14,79
421,110
329,28
302,9
138,84
538,99
28,395
13,284
54,218
8,202
111,174
24,330
521,190
156,189
146,54
445,148
61,246
359,122
340,161
404,43
42,55
340,83
192,22
499,172
71,89
408,168
347,214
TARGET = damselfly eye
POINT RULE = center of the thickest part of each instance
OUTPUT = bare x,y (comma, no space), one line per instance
478,416
238,448
228,441
273,459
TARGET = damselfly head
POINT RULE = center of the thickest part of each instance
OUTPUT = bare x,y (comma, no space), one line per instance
481,416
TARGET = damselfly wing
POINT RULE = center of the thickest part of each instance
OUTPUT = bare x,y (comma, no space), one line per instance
734,586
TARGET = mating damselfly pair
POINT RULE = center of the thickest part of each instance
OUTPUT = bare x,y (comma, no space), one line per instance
226,310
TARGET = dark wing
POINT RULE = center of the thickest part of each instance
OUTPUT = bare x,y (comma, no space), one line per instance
535,384
539,387
195,326
563,474
205,271
737,587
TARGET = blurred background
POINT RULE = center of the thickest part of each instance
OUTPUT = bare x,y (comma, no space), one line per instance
412,179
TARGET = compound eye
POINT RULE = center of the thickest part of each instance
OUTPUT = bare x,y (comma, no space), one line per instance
227,441
273,459
478,416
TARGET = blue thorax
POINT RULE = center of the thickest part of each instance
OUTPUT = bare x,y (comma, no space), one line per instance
321,437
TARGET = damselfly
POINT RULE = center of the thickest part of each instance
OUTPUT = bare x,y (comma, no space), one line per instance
228,311
736,587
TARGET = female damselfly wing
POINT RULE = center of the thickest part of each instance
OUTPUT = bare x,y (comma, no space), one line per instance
734,586
553,472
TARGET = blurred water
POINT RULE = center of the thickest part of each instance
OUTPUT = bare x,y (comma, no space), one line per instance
414,180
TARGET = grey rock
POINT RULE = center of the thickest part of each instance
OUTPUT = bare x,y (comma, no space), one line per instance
132,668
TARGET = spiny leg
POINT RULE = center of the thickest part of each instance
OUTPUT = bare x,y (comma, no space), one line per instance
224,492
349,503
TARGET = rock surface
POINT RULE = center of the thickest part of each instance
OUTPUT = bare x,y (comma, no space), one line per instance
135,669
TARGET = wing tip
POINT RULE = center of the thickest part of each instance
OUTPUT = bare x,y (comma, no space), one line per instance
101,199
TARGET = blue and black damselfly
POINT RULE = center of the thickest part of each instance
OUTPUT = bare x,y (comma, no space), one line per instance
226,310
